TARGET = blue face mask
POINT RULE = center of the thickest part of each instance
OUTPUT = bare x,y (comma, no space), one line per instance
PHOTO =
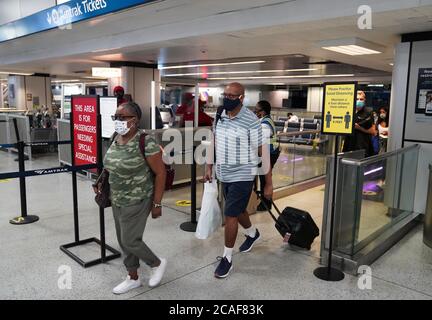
230,105
360,104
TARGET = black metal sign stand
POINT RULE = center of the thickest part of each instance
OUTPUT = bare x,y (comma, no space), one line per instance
328,273
191,226
104,247
24,218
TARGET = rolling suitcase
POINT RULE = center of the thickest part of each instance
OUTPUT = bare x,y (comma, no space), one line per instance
295,226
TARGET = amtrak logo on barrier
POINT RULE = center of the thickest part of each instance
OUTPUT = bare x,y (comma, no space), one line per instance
51,171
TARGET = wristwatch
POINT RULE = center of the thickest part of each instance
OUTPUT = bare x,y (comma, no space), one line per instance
157,205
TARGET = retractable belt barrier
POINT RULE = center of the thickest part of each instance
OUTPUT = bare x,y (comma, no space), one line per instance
43,172
27,219
22,174
8,146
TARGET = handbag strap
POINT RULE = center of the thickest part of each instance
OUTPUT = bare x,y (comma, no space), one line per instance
142,144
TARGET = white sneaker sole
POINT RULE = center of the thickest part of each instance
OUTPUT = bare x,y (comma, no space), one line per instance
163,273
248,250
224,276
120,293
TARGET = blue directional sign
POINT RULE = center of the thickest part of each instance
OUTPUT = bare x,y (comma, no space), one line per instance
63,16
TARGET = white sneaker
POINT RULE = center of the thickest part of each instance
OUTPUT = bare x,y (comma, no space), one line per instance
127,286
157,274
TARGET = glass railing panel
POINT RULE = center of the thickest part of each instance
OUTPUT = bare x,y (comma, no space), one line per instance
375,212
408,163
283,172
373,195
346,208
303,157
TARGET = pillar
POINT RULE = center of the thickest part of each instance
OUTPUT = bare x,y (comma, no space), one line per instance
315,99
30,92
139,80
2,88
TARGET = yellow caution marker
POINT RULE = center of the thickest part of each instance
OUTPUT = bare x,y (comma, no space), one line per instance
183,203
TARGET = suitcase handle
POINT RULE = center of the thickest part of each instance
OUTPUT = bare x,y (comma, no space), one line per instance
261,196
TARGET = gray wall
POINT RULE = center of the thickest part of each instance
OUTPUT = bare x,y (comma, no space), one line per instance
11,10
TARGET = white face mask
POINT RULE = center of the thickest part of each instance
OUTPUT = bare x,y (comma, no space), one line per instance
121,127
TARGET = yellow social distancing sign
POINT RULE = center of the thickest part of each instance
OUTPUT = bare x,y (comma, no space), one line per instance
339,108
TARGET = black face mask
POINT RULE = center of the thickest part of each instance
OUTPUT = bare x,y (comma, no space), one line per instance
230,105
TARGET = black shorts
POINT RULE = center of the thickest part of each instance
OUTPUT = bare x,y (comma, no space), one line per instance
237,195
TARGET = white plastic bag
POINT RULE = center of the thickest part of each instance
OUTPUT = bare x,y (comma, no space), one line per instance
210,218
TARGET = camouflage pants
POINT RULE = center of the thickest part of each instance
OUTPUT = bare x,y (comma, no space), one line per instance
130,224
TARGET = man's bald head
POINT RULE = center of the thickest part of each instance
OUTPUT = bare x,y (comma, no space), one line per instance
236,88
235,91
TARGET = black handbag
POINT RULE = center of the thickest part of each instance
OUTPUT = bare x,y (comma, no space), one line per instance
103,195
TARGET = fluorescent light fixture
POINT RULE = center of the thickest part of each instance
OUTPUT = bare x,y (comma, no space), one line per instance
285,77
16,73
391,63
103,50
376,85
352,46
107,72
211,65
236,72
65,81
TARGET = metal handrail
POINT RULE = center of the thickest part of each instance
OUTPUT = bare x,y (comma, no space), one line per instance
380,157
297,133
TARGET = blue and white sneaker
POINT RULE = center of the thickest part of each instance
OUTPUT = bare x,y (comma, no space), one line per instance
223,269
249,242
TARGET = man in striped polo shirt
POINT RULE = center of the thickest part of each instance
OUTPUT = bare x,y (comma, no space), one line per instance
239,145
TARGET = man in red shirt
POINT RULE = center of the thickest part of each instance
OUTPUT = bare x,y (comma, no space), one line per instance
187,110
119,93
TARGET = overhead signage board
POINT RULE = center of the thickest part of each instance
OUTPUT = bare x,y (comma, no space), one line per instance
339,108
107,72
85,130
63,16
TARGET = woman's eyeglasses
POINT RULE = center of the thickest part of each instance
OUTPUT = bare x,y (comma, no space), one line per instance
120,117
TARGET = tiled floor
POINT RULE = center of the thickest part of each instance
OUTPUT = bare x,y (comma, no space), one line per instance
29,267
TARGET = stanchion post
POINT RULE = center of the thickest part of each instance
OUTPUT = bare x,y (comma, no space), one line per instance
18,137
191,226
24,218
75,205
329,273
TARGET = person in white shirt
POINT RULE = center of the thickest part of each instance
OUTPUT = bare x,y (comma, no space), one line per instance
292,118
383,129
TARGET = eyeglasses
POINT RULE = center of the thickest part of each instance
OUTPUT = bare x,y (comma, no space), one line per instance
120,117
231,96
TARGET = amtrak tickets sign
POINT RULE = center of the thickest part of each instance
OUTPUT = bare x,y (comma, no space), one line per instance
63,16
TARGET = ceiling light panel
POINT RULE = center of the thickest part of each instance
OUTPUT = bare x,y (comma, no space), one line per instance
236,72
211,65
352,46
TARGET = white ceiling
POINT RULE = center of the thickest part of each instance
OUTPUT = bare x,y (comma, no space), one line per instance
182,31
